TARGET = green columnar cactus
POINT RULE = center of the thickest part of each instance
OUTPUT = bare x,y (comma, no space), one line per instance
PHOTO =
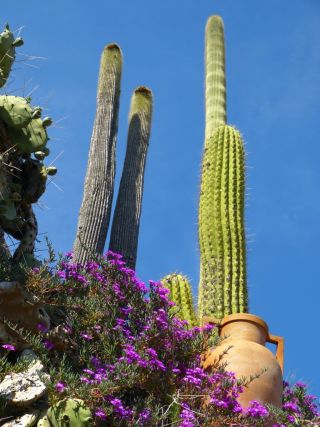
181,295
223,287
95,210
215,75
126,219
70,413
7,53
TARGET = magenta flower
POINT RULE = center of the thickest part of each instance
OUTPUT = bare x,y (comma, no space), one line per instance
8,347
60,387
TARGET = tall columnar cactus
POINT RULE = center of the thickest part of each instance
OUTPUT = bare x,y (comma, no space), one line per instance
223,287
215,81
181,295
95,210
126,220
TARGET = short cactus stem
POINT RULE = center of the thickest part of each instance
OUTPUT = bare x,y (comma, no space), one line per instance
215,75
181,294
223,287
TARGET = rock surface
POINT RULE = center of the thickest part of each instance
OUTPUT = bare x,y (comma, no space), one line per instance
24,388
26,420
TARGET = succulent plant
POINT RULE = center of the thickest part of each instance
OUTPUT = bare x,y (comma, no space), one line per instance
222,287
7,53
126,218
94,215
31,138
15,111
181,295
22,178
70,413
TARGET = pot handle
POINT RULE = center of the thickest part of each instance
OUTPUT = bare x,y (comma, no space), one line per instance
279,341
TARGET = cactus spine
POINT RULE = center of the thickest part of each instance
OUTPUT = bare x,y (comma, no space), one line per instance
126,220
95,210
222,288
181,295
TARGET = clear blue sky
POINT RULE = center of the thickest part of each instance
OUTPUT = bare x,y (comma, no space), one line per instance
273,84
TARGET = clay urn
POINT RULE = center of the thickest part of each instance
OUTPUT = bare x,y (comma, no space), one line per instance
243,350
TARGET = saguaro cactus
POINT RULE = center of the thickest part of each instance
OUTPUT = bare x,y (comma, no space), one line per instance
95,210
126,220
181,295
222,288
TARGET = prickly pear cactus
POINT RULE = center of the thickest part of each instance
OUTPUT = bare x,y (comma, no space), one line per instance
15,111
23,134
70,413
223,288
7,53
181,295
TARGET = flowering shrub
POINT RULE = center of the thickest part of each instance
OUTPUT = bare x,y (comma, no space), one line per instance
116,344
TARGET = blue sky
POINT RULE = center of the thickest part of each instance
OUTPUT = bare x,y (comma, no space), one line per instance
273,86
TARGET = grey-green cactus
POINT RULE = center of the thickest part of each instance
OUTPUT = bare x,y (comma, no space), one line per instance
96,204
222,288
181,295
70,413
7,53
126,218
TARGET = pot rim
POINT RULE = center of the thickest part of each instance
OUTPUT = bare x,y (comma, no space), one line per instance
246,317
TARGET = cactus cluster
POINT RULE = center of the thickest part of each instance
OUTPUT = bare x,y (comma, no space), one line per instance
23,175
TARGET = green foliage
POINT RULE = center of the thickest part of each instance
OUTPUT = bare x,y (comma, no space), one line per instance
181,295
222,289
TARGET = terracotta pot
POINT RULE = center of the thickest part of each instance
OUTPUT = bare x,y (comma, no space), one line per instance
244,338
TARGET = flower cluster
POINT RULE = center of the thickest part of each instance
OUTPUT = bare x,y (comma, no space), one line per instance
131,360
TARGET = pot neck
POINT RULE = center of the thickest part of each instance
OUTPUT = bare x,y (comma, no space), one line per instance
247,330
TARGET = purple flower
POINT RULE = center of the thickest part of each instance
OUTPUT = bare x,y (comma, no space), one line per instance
256,410
85,336
41,327
48,345
100,414
60,387
8,347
